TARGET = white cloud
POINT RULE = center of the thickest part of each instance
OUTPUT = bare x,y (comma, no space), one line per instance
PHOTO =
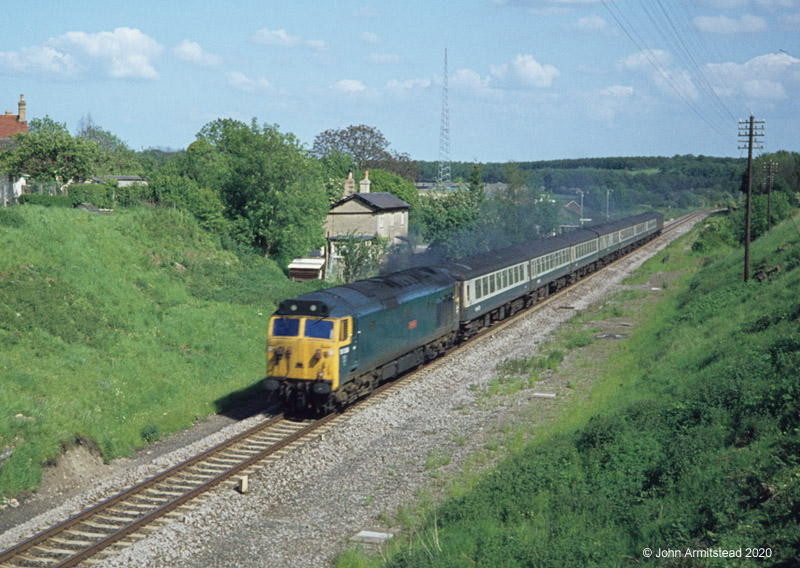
656,64
526,70
191,52
605,104
121,54
38,60
408,85
645,60
469,80
276,37
724,25
384,59
760,78
593,23
282,38
242,82
370,37
349,86
317,44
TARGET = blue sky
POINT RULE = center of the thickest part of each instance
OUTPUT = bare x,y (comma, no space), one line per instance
528,79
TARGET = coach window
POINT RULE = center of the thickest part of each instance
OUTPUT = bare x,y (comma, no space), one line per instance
491,283
505,279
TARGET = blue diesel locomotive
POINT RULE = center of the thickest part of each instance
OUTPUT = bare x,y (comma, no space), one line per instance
329,348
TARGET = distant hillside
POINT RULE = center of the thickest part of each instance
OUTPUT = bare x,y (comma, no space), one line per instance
678,182
117,329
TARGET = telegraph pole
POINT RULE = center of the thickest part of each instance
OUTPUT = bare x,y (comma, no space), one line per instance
608,191
748,131
771,168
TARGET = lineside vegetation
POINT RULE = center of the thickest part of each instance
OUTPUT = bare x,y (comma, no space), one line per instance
689,440
116,330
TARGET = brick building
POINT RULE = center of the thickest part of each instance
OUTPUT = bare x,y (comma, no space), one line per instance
10,124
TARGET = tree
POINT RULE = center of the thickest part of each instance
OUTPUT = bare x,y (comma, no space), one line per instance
360,257
364,144
273,193
368,149
47,152
476,187
114,155
389,182
170,186
335,168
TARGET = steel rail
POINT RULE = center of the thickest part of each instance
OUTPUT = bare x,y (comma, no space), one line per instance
194,493
82,516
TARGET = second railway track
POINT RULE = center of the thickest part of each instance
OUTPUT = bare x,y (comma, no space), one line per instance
126,517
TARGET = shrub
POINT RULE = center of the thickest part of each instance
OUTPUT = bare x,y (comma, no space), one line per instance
45,200
98,194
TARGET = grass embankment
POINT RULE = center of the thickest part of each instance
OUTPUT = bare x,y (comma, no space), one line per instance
689,439
118,329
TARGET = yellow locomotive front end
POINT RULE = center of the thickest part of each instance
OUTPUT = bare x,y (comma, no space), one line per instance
303,359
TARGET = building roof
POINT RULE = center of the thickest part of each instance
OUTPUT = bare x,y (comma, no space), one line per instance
376,201
10,125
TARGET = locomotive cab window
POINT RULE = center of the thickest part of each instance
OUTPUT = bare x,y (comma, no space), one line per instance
286,327
344,330
319,329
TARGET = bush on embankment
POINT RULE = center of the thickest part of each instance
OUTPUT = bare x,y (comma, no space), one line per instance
118,329
698,449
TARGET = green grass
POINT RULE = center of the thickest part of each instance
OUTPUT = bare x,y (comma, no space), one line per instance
120,329
689,438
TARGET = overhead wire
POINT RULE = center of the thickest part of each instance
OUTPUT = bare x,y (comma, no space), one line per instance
631,31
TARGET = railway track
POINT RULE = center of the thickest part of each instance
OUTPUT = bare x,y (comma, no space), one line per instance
105,526
117,522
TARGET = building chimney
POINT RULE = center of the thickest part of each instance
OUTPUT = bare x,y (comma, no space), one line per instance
363,185
21,105
349,184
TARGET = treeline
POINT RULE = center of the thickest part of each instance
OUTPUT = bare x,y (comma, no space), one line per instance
494,172
260,188
678,182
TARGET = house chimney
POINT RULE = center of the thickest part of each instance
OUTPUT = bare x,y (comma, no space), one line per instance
363,185
21,105
349,184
